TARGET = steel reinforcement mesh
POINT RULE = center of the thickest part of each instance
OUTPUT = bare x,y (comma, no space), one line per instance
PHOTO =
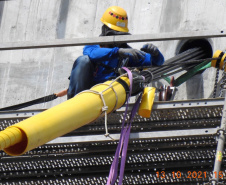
173,160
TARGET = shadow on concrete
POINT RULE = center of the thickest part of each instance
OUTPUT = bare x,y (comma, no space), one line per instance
2,3
62,19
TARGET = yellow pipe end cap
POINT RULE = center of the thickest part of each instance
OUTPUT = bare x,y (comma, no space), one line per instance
147,102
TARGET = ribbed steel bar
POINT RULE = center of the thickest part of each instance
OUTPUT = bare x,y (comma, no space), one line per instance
174,70
185,56
136,135
171,150
165,69
95,165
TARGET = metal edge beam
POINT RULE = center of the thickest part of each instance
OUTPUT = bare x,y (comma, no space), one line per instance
189,103
138,135
182,104
170,36
156,106
20,113
111,39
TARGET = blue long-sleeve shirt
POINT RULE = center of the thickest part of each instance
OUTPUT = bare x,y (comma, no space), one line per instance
110,57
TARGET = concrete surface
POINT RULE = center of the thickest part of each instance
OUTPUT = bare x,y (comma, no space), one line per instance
29,74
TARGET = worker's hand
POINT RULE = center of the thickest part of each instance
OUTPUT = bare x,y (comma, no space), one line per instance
150,48
135,54
61,93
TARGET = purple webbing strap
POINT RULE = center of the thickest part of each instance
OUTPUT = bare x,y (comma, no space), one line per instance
124,139
114,167
126,142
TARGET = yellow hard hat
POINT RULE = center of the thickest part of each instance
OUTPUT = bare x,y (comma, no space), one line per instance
115,18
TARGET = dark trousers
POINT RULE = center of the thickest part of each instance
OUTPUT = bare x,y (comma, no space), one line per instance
81,76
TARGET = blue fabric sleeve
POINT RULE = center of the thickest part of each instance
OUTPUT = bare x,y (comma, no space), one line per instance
98,54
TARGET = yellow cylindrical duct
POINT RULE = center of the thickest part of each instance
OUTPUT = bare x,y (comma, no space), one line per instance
61,119
147,102
220,62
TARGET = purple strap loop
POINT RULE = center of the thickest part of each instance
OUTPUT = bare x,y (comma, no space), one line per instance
124,138
130,76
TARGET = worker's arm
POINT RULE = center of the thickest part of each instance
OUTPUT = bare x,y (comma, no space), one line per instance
61,93
98,54
148,60
152,57
156,58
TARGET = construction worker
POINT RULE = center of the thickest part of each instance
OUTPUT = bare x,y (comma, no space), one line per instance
99,61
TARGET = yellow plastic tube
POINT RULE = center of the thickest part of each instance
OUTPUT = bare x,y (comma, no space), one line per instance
147,102
218,54
61,119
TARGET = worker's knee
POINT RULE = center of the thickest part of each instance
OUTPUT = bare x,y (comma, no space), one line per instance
82,62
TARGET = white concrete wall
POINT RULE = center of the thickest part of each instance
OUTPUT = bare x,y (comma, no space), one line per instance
30,74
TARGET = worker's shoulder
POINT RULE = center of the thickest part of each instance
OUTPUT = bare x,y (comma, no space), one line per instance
91,46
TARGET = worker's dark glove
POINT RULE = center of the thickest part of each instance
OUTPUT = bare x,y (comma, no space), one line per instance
150,48
135,54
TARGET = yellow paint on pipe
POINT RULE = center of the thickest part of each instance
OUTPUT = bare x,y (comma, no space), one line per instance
214,62
64,118
222,62
215,55
10,136
147,102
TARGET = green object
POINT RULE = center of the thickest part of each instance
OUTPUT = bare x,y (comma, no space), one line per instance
183,78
